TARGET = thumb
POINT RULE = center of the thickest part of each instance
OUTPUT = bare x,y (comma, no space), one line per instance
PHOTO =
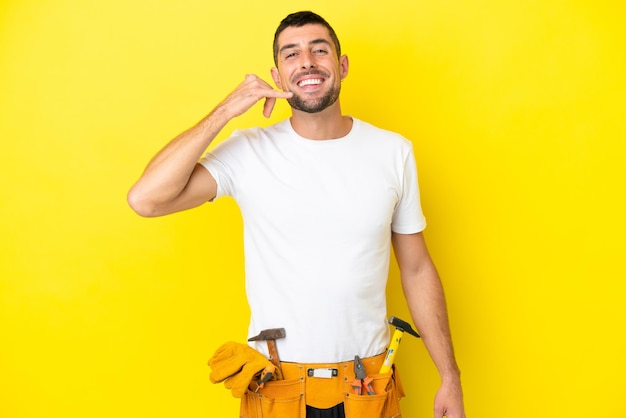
238,384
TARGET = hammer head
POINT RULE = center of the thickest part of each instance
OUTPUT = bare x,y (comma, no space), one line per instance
269,334
403,326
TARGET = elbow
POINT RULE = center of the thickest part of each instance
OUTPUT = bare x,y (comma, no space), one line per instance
140,203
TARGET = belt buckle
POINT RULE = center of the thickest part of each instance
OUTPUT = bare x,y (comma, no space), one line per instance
322,373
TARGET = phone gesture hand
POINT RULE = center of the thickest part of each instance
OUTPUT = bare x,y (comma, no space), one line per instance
250,91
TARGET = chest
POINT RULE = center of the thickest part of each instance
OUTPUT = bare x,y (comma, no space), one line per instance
327,192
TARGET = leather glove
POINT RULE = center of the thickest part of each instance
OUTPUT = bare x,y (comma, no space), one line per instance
236,364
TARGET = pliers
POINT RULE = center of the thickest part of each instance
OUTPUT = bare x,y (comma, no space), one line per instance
266,374
362,380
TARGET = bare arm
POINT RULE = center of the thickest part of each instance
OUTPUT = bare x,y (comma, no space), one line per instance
425,297
173,181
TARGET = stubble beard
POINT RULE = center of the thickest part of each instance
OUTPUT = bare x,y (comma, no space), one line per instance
317,105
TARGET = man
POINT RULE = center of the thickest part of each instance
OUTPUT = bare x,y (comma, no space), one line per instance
323,197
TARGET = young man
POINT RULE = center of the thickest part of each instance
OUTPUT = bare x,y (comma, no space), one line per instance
323,197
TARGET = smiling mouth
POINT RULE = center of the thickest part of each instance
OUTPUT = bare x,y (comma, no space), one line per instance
310,82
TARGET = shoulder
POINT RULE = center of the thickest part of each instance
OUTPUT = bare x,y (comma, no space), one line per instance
382,136
370,129
249,138
249,143
276,130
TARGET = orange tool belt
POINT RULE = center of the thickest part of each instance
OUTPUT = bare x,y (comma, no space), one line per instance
324,386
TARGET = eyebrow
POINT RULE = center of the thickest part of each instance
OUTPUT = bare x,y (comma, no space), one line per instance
313,42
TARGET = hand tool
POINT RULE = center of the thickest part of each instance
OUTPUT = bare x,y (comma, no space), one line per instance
362,379
270,336
401,328
266,375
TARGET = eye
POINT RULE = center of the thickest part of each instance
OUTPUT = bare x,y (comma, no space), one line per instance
290,55
320,51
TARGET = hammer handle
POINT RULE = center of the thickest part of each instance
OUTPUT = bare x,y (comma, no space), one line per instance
392,350
271,347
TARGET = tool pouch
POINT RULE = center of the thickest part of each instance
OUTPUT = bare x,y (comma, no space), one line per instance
385,403
289,397
277,399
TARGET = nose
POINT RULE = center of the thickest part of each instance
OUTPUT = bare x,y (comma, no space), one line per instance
307,60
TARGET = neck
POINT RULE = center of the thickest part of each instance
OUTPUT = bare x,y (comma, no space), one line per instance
327,124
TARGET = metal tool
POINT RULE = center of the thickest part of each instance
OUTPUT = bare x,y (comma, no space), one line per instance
270,336
362,380
401,328
266,375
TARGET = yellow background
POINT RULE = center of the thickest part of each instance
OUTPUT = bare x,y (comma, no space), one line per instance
516,110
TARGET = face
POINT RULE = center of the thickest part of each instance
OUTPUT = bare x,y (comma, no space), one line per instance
308,66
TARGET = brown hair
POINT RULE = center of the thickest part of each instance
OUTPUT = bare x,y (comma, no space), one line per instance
299,19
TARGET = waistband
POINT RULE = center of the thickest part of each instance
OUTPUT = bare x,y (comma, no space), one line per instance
326,383
344,369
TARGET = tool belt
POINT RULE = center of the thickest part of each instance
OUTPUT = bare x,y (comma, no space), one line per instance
323,386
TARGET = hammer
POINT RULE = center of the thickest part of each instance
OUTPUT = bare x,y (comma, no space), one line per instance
270,336
401,328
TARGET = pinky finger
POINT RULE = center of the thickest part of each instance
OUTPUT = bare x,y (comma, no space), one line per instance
268,106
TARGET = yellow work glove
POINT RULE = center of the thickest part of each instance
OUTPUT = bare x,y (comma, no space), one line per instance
237,364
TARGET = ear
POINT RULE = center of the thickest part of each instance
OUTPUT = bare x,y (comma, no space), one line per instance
276,77
343,66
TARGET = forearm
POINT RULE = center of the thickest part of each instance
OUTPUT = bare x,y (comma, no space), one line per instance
425,298
426,301
169,171
169,182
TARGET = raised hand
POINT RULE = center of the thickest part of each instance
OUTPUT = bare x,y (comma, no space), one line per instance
250,91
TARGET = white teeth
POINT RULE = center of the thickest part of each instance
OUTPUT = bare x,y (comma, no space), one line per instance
310,82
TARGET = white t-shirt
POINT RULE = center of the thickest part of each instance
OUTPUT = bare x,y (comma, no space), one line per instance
318,217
